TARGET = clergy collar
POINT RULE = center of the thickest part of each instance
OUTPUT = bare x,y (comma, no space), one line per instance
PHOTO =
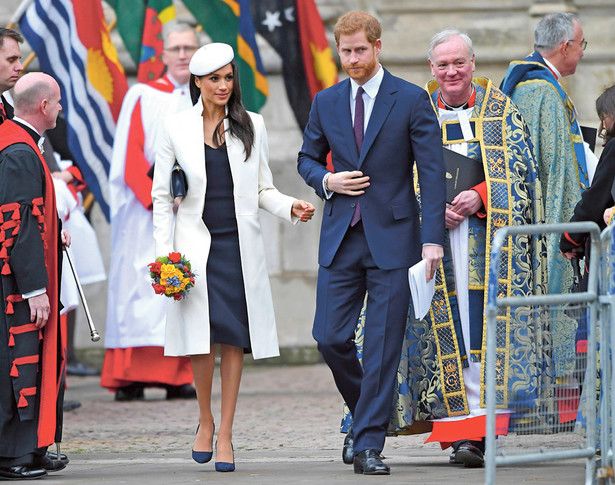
175,83
468,104
553,69
29,128
371,87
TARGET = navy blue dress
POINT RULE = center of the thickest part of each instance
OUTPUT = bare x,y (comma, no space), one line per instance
228,313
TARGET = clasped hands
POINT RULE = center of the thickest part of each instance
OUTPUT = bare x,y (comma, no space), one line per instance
465,204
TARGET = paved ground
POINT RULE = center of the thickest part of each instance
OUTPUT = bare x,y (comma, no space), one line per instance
285,432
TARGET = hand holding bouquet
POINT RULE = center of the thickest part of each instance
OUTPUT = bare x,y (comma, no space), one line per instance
172,276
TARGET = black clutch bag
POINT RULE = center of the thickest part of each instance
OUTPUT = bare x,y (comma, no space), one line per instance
179,184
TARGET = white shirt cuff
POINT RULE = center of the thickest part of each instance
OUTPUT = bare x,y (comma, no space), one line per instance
30,294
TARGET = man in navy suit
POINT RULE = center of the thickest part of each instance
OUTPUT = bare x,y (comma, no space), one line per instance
376,126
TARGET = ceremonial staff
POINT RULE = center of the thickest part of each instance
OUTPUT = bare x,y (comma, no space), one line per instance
93,332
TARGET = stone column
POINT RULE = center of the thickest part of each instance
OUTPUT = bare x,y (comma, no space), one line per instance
544,7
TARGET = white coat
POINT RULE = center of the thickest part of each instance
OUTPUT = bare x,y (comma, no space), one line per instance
187,326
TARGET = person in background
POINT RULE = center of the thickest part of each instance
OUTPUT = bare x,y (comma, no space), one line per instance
134,337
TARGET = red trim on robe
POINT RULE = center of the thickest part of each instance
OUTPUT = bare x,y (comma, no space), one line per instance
28,327
472,429
28,359
137,166
123,367
9,303
482,191
26,391
11,133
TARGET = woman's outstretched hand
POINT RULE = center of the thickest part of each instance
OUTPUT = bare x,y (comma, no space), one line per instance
303,210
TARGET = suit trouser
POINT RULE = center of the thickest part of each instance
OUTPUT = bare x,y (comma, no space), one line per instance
367,389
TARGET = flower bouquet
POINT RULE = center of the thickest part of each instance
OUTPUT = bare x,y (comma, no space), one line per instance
172,276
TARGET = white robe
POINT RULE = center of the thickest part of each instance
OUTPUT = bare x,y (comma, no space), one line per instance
135,314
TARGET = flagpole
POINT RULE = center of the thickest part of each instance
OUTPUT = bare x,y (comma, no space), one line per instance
23,6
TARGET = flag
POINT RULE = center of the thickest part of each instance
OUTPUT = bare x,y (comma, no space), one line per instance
295,30
230,21
72,43
140,23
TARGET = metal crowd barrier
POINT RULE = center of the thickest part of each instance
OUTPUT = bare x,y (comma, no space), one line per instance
607,316
550,306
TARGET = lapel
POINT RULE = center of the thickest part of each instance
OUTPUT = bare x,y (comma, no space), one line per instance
236,157
385,99
342,110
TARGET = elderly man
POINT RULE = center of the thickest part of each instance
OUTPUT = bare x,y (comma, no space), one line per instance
31,345
134,338
533,84
439,383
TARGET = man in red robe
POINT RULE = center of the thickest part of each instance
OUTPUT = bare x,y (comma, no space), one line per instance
32,346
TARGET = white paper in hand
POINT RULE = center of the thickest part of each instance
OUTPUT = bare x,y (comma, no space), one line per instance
421,291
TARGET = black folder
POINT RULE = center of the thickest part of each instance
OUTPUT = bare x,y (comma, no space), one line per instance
589,135
462,173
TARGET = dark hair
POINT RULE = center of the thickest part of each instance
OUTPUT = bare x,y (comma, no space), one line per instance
13,34
240,123
605,105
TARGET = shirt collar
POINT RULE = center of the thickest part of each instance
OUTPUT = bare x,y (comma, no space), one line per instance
175,83
371,87
553,69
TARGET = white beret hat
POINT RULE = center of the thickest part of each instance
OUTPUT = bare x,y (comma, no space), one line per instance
210,58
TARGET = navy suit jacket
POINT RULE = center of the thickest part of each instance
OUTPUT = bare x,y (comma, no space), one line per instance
402,128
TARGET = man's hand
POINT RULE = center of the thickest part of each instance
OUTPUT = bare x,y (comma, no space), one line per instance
433,255
65,238
39,310
465,204
607,215
348,183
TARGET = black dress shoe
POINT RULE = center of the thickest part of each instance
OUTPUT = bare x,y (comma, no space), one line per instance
468,454
133,392
70,405
348,449
50,464
369,462
21,472
81,370
185,391
54,456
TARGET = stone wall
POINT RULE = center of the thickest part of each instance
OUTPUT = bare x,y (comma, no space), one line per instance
502,30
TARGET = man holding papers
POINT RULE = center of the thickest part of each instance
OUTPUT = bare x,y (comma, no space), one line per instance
439,385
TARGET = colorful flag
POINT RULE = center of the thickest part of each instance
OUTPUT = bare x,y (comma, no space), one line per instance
295,30
140,24
230,21
72,43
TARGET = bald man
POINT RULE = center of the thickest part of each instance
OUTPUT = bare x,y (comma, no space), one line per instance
31,348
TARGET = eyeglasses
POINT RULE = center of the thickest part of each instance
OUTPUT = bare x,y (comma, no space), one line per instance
583,43
188,49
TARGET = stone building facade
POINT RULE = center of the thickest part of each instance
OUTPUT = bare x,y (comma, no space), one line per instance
502,30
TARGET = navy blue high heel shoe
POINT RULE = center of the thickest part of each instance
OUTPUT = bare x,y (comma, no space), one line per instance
204,456
222,466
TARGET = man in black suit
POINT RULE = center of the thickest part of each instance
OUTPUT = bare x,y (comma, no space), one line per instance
10,67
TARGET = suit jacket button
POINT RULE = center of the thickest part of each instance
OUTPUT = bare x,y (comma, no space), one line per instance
353,205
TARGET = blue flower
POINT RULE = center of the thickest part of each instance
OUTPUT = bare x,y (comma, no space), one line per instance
173,281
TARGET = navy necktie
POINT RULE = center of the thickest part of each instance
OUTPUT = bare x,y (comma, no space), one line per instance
359,121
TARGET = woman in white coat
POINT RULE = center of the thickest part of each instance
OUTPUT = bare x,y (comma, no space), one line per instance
223,151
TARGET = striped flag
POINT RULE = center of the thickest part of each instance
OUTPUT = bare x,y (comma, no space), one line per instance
230,21
72,43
